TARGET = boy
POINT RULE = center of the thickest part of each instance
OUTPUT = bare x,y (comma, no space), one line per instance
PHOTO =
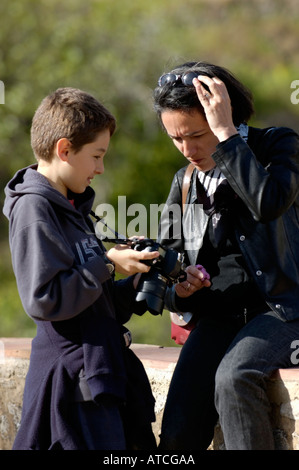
77,383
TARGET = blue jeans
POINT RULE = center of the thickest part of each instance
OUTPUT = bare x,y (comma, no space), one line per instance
222,372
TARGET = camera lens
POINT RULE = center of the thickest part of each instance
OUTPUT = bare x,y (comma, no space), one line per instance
151,290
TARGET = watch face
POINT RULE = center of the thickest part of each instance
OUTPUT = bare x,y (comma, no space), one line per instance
110,267
109,264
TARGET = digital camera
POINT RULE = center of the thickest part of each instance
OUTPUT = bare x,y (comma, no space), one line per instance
165,270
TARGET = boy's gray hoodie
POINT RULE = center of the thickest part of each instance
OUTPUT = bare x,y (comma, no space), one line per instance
66,288
55,255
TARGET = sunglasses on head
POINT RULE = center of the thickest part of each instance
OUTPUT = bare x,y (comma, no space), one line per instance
172,78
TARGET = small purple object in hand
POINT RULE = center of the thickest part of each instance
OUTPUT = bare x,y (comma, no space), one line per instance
204,272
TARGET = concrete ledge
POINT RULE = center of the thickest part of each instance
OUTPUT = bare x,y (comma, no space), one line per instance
159,363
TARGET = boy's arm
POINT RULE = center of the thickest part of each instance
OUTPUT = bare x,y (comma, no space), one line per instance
128,261
52,286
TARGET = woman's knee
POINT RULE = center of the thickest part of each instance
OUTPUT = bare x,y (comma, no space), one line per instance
224,378
233,381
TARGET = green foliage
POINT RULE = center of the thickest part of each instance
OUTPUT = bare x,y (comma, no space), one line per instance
150,329
14,322
116,50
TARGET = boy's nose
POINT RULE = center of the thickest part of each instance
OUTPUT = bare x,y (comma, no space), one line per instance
100,167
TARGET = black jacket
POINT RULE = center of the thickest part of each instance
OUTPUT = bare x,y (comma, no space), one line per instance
263,175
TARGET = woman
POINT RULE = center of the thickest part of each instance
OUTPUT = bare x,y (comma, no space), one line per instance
240,222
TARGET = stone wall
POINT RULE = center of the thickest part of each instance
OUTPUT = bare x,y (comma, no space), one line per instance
14,361
159,363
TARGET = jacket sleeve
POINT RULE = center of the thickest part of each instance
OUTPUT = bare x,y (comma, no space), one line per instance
268,186
51,284
125,300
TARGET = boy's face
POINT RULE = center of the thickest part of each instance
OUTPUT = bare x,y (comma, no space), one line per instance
78,169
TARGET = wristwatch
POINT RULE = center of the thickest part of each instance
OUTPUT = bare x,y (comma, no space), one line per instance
110,265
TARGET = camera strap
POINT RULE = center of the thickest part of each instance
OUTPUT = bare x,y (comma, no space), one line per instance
118,237
186,183
182,322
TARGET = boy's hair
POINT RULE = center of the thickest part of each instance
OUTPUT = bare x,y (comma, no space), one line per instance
176,96
68,113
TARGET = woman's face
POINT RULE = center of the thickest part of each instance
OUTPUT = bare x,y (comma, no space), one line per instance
192,136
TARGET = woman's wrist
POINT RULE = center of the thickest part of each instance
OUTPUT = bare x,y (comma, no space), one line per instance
225,134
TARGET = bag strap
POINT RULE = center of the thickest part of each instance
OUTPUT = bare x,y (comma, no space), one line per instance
183,320
186,183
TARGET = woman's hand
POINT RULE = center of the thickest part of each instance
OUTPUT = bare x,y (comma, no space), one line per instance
197,278
217,106
128,261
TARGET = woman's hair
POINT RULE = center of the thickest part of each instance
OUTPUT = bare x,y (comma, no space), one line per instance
68,113
177,96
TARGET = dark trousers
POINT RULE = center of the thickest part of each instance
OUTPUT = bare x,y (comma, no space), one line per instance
222,372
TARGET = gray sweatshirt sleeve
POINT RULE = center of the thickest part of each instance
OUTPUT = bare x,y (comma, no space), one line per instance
52,285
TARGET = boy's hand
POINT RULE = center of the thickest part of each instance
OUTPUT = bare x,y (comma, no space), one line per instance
197,278
128,261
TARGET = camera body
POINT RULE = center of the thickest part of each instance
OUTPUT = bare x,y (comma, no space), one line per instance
165,270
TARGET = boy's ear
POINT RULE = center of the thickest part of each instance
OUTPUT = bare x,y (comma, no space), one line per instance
63,147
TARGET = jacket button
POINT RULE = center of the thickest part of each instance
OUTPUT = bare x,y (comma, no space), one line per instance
259,273
242,238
